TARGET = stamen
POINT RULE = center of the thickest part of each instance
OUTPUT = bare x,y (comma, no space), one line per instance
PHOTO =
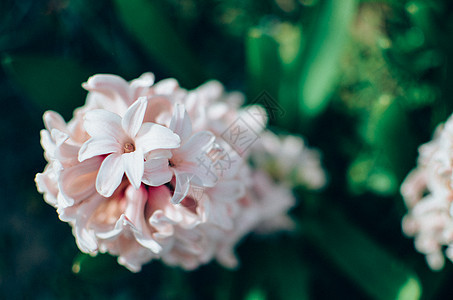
128,148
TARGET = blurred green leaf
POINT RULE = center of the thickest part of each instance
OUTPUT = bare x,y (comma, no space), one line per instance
155,32
388,132
50,82
321,56
291,42
101,267
256,294
263,64
372,171
290,274
175,277
376,271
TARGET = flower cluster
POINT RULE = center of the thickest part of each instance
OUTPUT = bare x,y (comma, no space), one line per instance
149,170
428,194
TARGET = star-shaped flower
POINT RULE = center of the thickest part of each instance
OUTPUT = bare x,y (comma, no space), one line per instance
125,141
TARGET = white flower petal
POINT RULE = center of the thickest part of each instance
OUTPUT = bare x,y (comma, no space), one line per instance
180,122
202,174
153,136
157,172
110,175
98,146
133,163
58,136
133,118
48,144
182,186
46,182
198,145
100,123
158,153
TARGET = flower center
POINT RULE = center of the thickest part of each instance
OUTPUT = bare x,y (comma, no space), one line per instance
128,148
174,162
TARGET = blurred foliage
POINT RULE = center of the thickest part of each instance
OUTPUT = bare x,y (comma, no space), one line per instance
365,81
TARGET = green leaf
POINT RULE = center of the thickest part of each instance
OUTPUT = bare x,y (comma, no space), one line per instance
50,82
156,34
365,262
324,47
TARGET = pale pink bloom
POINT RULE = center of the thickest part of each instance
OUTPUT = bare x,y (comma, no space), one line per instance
125,141
151,171
287,158
272,201
428,194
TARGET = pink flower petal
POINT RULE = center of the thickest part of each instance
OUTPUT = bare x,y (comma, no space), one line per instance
85,237
100,123
141,85
110,175
78,182
166,86
158,199
228,191
133,221
153,136
180,122
133,118
157,105
67,154
98,146
133,166
157,172
53,120
135,214
109,85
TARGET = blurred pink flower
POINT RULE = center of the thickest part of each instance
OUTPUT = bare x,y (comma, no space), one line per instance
428,194
287,158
